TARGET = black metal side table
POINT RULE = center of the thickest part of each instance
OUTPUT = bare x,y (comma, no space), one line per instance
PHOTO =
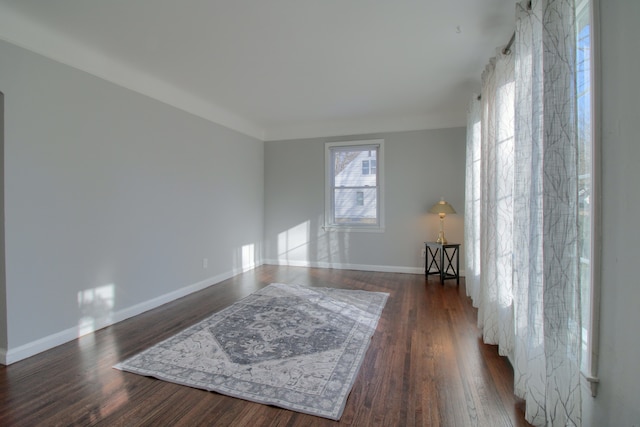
440,260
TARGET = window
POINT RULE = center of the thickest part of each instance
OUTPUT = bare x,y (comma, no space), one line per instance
353,193
587,175
369,166
365,167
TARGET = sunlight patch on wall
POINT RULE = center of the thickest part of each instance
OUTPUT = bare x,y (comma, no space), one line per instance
248,257
96,308
293,244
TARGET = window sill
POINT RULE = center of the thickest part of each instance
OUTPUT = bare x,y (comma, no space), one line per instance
591,382
353,229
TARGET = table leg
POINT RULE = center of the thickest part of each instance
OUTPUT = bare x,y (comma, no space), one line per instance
458,266
442,266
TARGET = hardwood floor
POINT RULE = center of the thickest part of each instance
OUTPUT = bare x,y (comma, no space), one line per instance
426,366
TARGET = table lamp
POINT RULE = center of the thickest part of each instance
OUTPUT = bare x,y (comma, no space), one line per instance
442,208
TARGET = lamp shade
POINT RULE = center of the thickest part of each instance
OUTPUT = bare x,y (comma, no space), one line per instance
442,207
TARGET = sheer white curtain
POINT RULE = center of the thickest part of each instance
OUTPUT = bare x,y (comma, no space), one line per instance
522,209
495,302
472,200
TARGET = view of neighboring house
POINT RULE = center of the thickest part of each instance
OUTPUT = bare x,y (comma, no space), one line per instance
355,182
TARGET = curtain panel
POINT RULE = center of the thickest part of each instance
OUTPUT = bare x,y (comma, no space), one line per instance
495,304
522,211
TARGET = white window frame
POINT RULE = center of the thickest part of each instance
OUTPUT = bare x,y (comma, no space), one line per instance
329,223
590,366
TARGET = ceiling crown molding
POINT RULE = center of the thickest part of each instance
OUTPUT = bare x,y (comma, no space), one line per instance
363,126
27,34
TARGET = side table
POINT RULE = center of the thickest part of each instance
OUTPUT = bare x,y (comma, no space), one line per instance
440,258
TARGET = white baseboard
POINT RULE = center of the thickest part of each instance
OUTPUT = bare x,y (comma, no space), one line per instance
346,266
343,266
13,355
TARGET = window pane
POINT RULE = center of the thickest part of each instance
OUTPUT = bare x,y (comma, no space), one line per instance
347,210
585,199
349,169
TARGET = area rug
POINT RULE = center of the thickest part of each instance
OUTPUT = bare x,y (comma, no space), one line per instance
291,346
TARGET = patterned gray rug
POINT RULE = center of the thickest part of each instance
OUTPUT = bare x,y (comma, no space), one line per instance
296,347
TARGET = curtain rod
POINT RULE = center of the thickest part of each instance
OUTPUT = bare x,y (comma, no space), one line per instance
505,51
507,48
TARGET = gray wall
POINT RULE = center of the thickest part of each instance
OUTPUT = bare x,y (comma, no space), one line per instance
3,283
113,199
420,167
618,400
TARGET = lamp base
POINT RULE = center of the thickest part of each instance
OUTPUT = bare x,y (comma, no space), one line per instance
441,238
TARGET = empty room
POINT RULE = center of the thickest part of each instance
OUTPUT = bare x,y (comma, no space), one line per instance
368,213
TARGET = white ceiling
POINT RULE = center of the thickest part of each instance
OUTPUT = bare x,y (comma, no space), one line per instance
279,69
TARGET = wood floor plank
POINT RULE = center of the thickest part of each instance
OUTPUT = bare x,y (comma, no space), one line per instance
426,366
